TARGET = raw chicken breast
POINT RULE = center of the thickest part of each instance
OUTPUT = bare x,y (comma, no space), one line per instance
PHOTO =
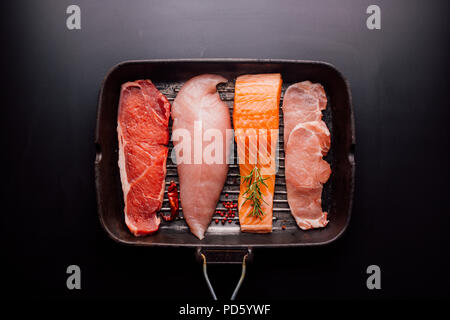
306,141
198,113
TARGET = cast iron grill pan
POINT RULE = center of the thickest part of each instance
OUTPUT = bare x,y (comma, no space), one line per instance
168,76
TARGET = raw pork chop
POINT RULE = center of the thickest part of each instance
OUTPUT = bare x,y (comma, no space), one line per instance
198,106
306,141
302,102
142,128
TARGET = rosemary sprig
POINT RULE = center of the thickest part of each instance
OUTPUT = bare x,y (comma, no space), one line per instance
253,192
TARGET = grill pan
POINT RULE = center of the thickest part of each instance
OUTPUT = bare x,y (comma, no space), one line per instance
225,243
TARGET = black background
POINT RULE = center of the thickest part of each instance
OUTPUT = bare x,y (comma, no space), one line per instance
50,79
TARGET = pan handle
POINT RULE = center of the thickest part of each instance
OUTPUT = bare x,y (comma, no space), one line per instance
224,256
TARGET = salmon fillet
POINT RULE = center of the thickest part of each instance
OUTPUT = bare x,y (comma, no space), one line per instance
255,118
306,141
